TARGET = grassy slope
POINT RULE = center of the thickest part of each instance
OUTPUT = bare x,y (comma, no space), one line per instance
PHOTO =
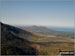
17,41
51,45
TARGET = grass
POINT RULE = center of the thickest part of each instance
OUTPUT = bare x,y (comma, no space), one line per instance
54,50
51,39
61,43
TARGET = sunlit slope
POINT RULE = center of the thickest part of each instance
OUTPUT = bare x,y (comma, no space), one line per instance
15,41
51,44
46,31
50,38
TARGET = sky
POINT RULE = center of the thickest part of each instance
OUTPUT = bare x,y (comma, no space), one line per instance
45,13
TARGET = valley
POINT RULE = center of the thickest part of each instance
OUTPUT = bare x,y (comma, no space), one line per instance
18,41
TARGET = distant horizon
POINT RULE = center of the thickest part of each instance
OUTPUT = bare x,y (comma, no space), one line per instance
38,25
42,13
62,29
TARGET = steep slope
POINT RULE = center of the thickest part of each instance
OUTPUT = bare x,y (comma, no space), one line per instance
15,41
13,44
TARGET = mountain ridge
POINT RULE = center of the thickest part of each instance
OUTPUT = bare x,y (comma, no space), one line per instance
17,41
46,31
13,44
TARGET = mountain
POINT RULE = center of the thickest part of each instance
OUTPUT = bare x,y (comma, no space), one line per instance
12,42
18,41
46,31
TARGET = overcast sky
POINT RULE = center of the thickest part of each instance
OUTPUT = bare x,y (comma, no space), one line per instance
46,13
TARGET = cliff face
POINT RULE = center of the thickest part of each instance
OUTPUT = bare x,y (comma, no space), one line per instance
12,42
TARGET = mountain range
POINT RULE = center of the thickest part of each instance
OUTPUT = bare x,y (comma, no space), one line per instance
18,41
46,31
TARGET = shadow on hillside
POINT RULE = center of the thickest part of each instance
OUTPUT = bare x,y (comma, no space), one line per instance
12,44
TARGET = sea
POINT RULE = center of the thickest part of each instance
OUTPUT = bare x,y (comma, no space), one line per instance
62,29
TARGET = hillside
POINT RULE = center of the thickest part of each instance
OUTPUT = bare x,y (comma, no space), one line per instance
46,31
13,44
15,41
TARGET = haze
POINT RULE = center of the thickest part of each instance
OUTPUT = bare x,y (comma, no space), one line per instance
46,13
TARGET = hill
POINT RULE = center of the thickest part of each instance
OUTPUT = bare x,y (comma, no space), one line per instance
12,42
46,31
16,41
